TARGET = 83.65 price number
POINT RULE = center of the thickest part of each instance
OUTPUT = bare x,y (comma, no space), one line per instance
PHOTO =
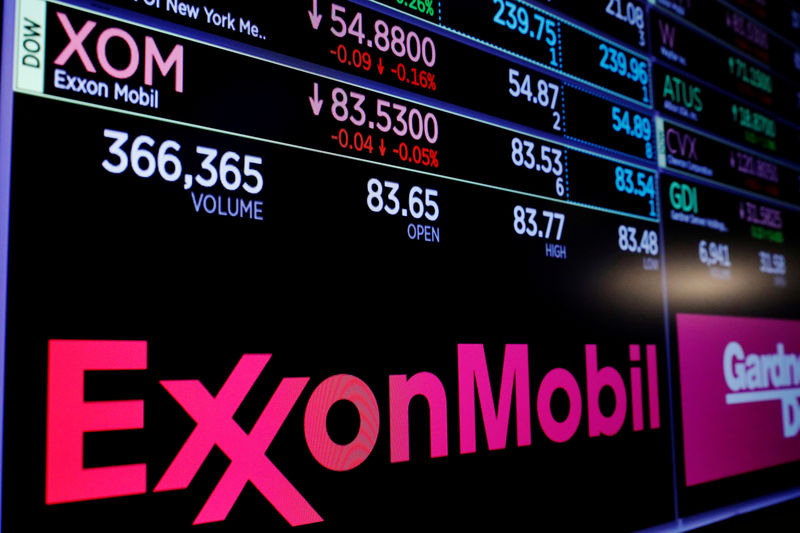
417,203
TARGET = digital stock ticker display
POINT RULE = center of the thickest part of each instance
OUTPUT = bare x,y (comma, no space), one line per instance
375,264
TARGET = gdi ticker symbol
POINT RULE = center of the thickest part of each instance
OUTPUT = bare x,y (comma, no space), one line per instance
215,426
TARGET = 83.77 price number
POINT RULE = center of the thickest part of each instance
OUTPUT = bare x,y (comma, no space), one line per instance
526,223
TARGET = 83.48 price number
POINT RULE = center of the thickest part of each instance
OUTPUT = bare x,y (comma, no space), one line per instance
628,241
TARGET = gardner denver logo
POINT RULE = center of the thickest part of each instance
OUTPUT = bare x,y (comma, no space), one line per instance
729,406
764,378
69,417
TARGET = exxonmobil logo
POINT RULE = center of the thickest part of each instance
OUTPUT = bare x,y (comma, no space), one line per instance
69,417
90,45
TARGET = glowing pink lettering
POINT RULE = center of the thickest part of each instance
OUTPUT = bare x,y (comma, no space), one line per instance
215,426
558,378
69,417
102,45
175,59
401,391
596,380
636,388
75,44
332,456
472,369
652,387
152,55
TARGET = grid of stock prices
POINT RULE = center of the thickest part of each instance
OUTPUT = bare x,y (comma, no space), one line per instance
370,264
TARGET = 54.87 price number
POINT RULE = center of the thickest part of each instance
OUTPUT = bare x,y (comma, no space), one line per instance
545,93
